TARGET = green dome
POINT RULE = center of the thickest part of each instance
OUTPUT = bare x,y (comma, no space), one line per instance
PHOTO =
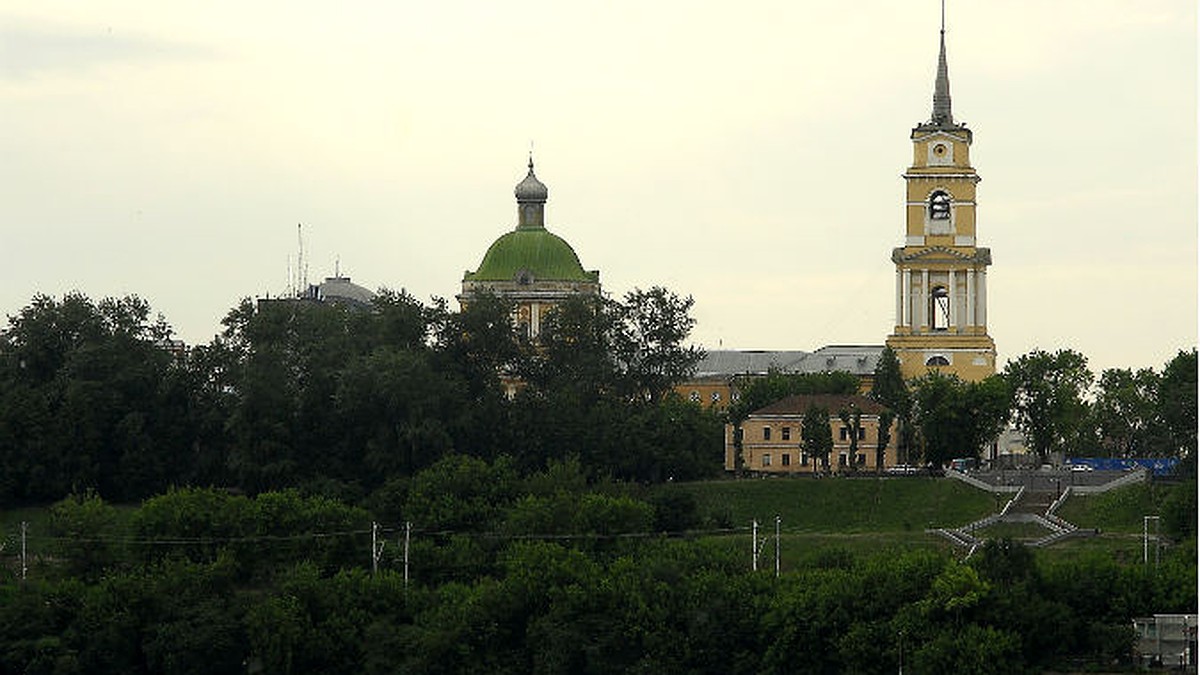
544,255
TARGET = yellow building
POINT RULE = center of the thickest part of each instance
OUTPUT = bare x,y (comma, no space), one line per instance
771,439
941,272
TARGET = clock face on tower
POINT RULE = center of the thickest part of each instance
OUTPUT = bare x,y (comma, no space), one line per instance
941,153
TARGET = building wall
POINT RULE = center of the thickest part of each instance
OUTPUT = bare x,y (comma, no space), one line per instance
781,453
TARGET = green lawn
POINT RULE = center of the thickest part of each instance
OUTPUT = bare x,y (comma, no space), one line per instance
1119,510
842,506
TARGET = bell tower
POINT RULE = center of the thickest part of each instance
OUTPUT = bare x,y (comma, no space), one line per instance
941,272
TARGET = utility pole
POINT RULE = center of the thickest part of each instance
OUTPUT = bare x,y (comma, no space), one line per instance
24,559
376,547
754,545
407,534
1146,539
777,546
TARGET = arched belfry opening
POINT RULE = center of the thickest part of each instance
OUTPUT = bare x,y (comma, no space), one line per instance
939,308
939,205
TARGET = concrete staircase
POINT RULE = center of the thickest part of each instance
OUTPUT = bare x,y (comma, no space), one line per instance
1027,506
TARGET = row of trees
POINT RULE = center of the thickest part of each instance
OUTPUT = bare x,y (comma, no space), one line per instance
544,573
1054,400
295,393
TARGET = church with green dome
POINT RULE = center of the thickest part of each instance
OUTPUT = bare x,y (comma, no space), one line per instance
529,265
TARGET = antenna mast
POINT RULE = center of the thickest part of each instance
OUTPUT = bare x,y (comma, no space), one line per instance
301,267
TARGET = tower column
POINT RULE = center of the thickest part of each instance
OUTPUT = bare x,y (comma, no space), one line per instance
925,300
971,297
953,300
983,298
906,306
899,297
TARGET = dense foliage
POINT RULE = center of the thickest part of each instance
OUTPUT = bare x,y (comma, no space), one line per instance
338,401
542,574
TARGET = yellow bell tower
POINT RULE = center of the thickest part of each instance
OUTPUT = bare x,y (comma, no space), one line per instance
941,274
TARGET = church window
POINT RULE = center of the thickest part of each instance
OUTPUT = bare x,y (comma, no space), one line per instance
937,361
939,205
939,308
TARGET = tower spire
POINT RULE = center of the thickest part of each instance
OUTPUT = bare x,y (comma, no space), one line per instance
942,116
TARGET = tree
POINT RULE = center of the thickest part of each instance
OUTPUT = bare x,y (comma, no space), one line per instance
1125,412
84,402
86,528
1048,391
852,418
1177,403
956,418
885,436
816,436
648,346
889,388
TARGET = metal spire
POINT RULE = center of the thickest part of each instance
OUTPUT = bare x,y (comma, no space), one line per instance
941,87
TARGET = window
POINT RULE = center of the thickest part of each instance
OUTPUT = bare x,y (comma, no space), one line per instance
804,459
785,434
766,433
786,459
735,397
694,396
937,361
939,206
939,308
766,459
862,433
860,459
716,397
843,434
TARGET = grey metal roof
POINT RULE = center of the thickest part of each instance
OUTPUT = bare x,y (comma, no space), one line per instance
340,289
855,359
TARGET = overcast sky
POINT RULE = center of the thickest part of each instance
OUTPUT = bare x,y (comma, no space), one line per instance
747,154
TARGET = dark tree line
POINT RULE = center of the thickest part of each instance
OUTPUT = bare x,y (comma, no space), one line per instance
318,396
1054,400
542,573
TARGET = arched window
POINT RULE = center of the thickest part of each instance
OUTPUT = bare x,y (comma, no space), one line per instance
937,361
939,308
939,205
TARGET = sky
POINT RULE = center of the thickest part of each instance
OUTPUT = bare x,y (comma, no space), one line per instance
748,155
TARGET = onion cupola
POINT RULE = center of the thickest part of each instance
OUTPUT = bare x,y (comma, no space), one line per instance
529,265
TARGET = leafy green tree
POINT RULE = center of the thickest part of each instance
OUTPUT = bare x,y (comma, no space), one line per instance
956,418
757,392
816,436
1048,395
649,342
86,528
82,400
853,420
889,388
1177,404
886,418
1125,412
